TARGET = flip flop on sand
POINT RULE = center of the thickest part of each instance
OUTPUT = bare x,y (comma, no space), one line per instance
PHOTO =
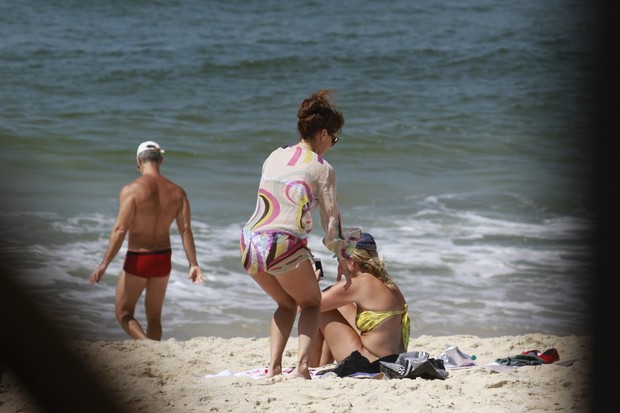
548,357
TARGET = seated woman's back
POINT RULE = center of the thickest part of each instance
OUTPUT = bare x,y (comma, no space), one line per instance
379,315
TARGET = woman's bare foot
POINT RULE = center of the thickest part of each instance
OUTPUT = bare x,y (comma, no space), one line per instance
301,371
275,371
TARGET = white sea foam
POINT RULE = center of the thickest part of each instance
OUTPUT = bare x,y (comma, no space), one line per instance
454,267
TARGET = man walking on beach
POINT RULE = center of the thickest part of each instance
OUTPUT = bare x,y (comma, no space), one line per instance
148,206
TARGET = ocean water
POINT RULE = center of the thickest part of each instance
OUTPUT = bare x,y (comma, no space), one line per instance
465,150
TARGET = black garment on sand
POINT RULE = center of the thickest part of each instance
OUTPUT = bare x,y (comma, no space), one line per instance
356,363
414,364
395,366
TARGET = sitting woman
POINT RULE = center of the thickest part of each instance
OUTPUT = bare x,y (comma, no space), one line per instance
370,316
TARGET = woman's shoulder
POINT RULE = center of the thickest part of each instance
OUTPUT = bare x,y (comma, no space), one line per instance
376,288
370,283
300,155
279,150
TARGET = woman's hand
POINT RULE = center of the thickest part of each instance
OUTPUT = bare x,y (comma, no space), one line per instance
343,269
318,274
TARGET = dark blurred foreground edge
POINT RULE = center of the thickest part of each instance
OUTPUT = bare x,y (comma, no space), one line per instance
36,353
606,190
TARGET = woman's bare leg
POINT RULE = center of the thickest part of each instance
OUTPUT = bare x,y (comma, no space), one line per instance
282,321
341,337
326,354
302,285
317,350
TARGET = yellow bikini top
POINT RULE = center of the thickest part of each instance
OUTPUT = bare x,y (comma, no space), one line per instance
367,320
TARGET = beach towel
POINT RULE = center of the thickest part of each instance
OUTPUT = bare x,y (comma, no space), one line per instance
257,373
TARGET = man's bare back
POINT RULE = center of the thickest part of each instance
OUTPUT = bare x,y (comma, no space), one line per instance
159,201
147,208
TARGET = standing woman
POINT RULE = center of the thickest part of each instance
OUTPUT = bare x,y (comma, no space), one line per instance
295,180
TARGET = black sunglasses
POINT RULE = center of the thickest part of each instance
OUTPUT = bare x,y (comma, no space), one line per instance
335,137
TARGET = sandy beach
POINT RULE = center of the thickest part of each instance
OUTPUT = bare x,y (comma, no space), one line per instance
172,376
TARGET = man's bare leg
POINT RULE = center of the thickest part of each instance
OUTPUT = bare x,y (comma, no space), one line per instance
128,290
153,303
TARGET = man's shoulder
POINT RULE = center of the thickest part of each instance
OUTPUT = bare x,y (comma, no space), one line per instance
171,184
132,186
138,185
144,184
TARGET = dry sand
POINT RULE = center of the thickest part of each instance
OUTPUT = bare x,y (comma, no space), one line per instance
168,376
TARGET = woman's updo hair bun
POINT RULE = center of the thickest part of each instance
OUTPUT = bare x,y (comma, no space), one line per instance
316,113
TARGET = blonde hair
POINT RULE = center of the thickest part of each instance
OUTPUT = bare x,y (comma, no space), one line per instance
369,262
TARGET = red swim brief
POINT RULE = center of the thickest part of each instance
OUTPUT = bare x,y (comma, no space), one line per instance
148,264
